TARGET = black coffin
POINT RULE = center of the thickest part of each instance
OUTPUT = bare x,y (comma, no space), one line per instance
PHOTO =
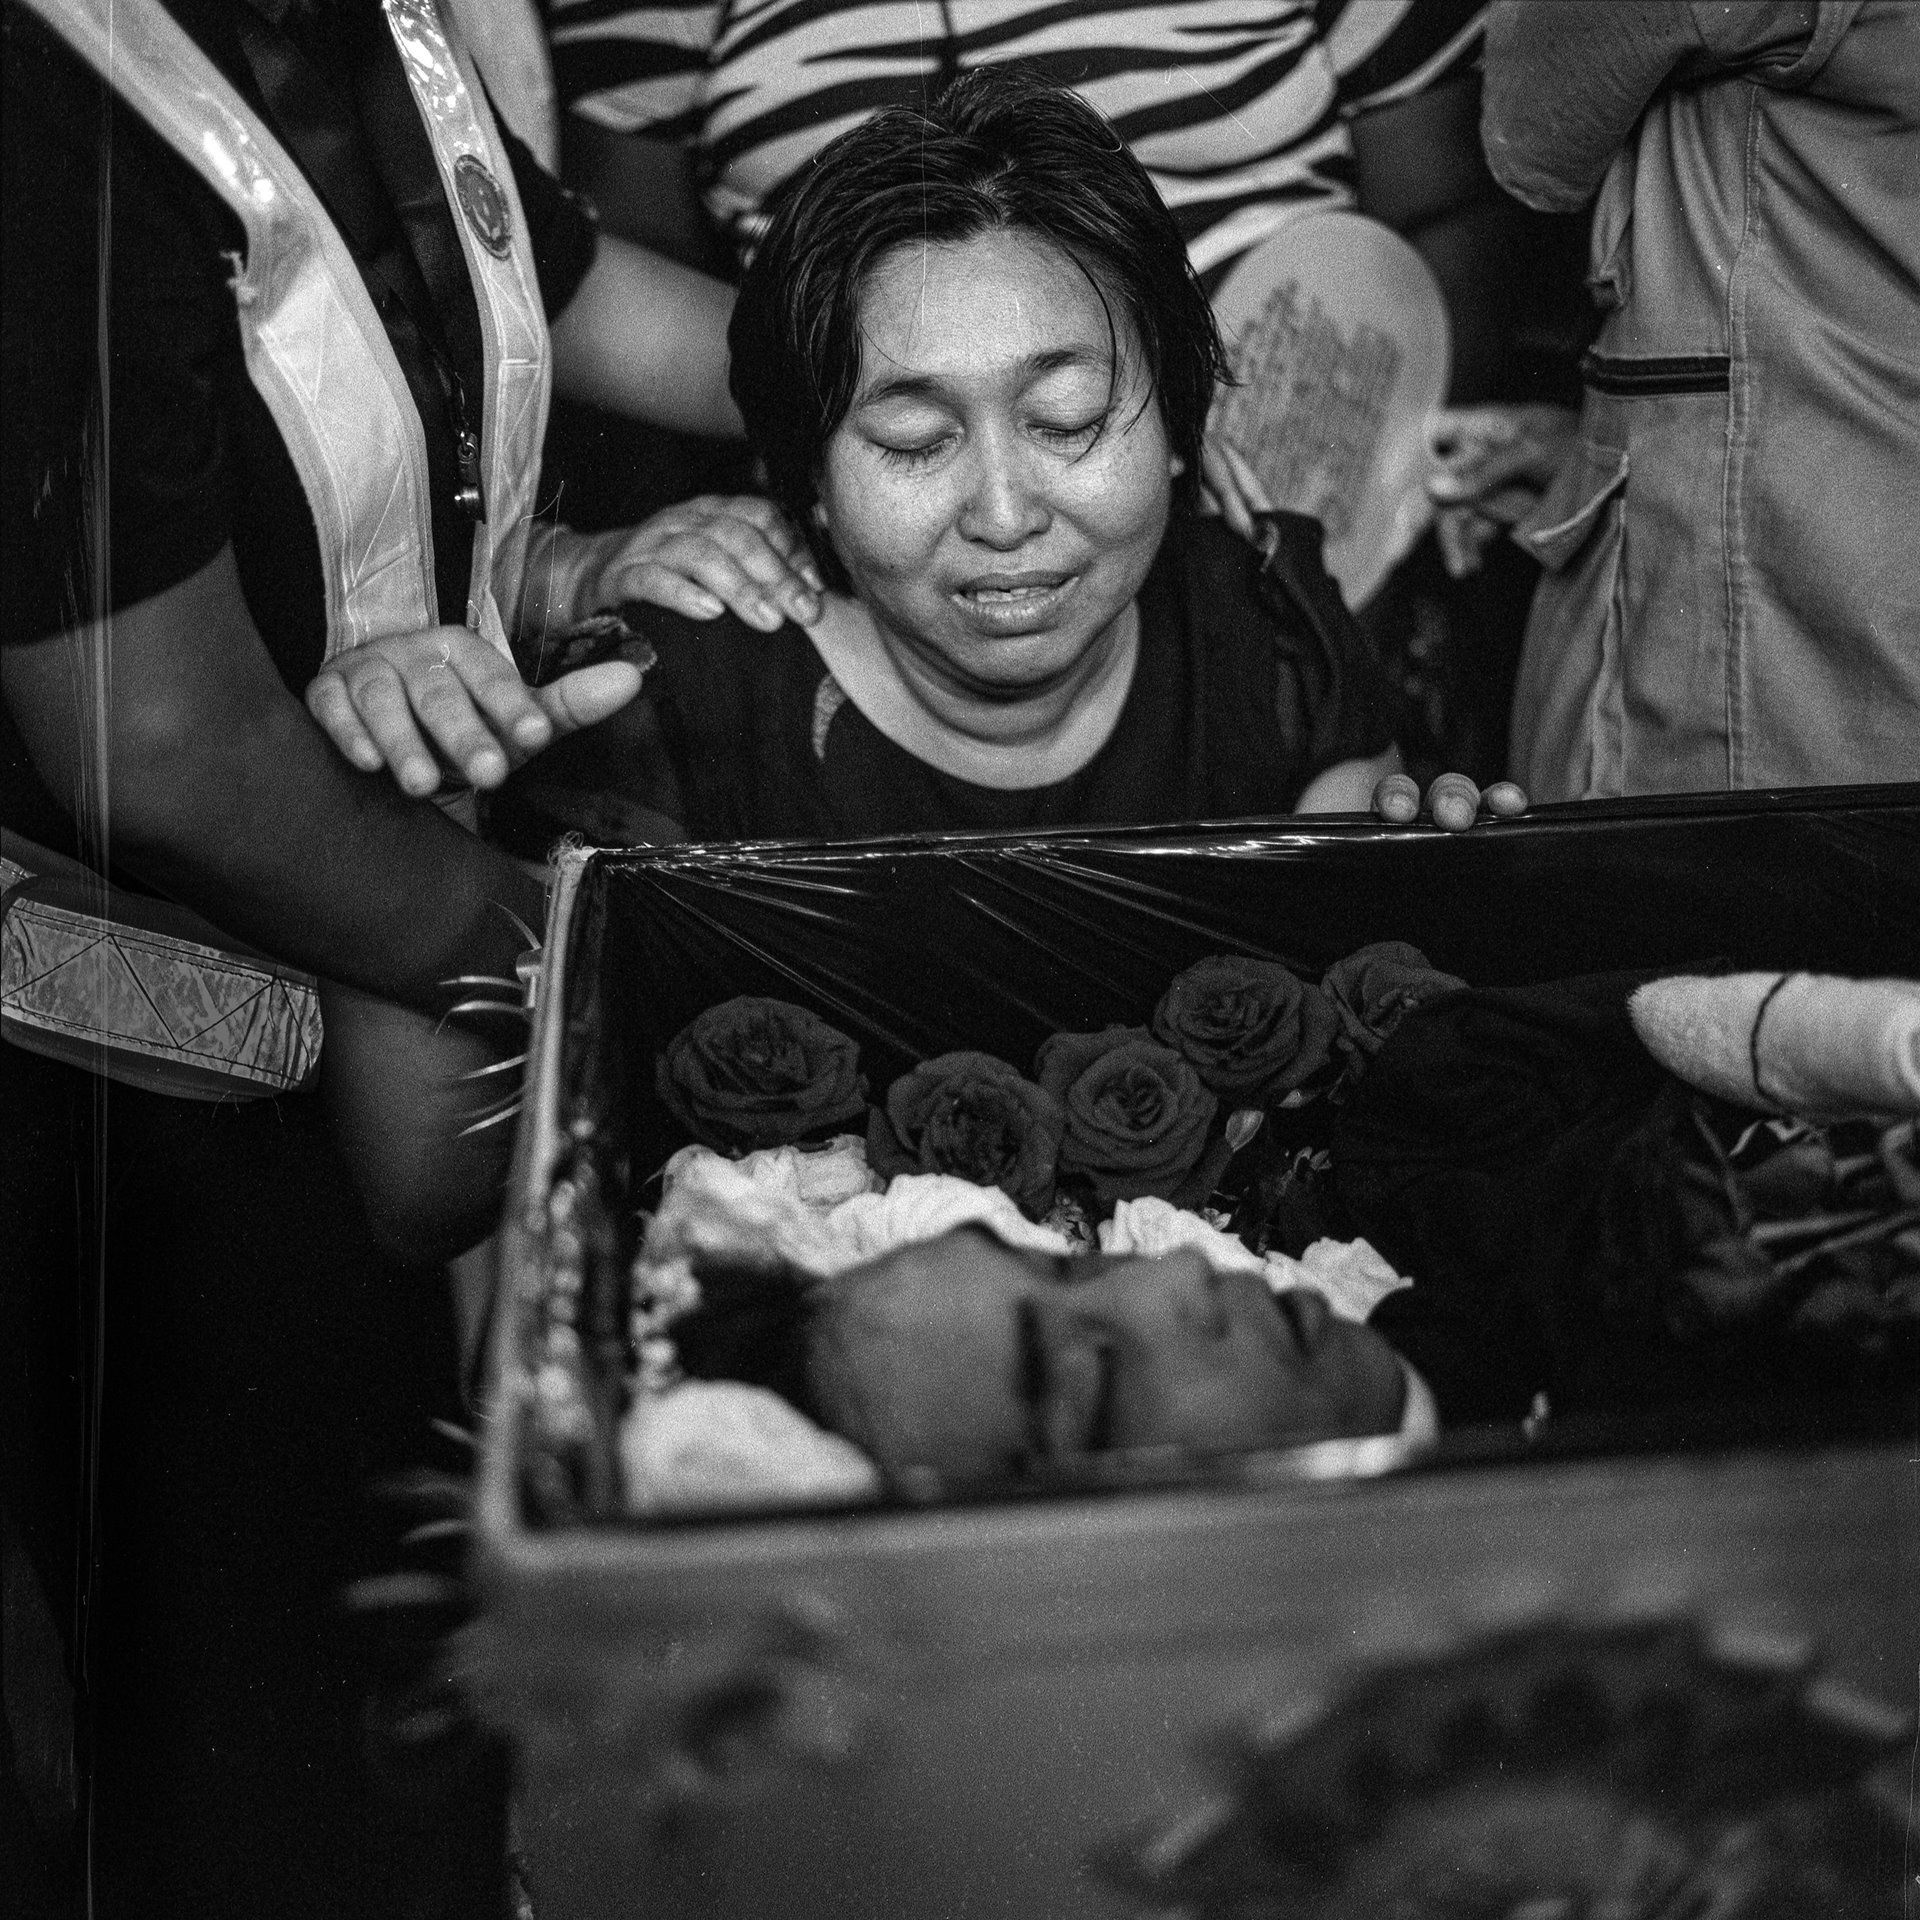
914,1713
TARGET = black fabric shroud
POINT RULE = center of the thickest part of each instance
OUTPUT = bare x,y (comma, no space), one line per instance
1523,1156
1484,1126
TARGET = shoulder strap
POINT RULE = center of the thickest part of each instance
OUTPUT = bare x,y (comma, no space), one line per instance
478,179
353,435
316,348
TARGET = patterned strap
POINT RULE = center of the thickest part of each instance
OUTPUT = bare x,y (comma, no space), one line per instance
143,1004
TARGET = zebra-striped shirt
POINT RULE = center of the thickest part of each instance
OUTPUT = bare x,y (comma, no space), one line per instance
1237,108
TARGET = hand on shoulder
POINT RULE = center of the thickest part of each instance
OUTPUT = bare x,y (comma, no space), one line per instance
714,554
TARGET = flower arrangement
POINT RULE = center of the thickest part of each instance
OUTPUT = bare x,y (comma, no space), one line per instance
1123,1141
1156,1111
1815,1226
1205,1129
1251,1029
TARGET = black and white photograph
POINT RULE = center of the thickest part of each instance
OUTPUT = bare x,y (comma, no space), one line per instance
960,960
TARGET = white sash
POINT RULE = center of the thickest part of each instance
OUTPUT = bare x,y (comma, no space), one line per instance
315,347
166,1004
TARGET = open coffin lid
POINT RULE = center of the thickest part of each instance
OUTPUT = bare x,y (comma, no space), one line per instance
917,1712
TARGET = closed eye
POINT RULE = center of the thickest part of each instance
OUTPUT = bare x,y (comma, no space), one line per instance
1059,1425
1080,436
910,457
1288,1308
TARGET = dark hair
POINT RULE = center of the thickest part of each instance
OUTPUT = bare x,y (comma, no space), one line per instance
999,148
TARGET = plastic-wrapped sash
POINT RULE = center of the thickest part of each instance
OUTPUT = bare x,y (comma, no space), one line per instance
142,991
315,346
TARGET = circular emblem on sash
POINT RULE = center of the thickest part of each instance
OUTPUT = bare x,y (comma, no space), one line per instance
484,203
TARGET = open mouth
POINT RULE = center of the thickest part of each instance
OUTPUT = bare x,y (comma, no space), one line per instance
1014,602
1011,596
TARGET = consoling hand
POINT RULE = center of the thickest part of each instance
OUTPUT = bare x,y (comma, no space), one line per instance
476,711
1453,802
701,558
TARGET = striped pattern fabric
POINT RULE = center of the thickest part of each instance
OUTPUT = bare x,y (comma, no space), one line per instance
1388,50
1236,107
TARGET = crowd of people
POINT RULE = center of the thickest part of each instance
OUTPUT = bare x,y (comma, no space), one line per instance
318,633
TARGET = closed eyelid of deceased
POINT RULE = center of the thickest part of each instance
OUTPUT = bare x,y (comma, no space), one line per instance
1203,1301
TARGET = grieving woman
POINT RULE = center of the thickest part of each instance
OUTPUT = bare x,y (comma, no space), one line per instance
977,366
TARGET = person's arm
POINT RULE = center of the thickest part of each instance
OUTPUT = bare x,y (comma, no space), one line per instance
1409,90
1348,786
1567,79
642,335
1418,167
1564,85
224,794
632,330
642,185
646,336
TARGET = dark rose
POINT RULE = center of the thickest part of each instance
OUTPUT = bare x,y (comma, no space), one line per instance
1373,990
1253,1030
970,1114
759,1073
1137,1115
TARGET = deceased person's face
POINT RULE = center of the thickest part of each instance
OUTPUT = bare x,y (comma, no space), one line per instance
968,1359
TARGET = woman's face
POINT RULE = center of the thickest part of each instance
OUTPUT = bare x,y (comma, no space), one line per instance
967,1359
1001,482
